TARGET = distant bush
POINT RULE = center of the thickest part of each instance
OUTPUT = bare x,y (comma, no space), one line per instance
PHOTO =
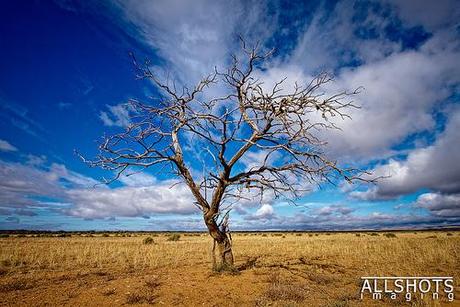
264,235
431,237
148,240
4,235
174,237
390,235
357,234
310,235
374,234
105,235
192,234
449,234
63,235
298,234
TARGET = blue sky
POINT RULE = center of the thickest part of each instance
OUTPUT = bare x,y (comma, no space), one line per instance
65,75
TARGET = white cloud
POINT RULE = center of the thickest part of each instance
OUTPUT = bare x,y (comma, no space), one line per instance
5,146
397,83
35,160
400,94
23,186
137,179
118,115
434,167
20,184
401,91
131,201
193,37
439,204
255,159
374,220
264,212
333,209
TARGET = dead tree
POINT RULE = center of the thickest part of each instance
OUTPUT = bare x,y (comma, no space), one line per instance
281,126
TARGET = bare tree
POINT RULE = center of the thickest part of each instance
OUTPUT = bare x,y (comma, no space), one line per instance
281,127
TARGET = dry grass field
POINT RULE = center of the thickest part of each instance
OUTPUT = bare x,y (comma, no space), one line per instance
275,269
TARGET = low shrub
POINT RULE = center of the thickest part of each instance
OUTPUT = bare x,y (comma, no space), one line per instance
174,237
148,240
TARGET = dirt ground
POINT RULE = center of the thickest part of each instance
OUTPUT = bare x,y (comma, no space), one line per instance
274,270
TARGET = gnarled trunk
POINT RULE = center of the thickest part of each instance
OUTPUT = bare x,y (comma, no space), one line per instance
225,253
224,244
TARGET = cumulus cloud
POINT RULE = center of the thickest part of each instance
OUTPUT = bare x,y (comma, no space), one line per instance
374,220
433,167
408,83
20,183
131,201
440,204
411,82
24,187
5,146
264,212
27,187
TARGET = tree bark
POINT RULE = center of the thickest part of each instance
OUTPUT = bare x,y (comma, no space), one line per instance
223,242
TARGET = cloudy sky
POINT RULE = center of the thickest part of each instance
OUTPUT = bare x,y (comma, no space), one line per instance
65,74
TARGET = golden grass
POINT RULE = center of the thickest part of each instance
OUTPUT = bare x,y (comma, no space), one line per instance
305,261
408,253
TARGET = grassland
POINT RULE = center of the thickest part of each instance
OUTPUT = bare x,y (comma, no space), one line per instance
275,269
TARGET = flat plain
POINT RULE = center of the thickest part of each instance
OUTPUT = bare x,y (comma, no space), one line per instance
274,269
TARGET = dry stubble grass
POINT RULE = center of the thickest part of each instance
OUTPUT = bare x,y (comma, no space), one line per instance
321,260
407,253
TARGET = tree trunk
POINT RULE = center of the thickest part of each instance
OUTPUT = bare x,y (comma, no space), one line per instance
225,253
223,242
